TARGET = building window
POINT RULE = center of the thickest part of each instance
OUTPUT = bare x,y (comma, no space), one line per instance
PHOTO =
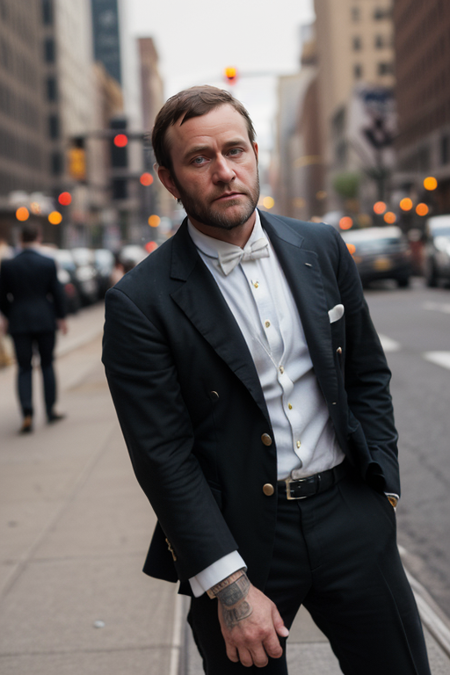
355,13
56,162
357,71
47,12
52,92
49,50
385,68
356,43
53,126
380,13
379,41
445,149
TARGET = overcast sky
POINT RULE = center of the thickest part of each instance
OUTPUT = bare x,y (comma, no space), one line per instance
197,39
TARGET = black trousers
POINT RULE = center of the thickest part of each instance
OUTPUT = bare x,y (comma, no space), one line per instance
24,345
335,553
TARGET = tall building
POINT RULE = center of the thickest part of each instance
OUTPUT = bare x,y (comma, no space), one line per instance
355,54
24,87
106,34
422,43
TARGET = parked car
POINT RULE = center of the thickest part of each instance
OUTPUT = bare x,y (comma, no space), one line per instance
104,263
86,275
437,250
66,275
380,253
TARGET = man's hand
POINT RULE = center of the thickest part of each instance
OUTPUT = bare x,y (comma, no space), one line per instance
62,326
250,624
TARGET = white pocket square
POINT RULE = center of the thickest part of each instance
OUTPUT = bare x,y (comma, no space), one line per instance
336,313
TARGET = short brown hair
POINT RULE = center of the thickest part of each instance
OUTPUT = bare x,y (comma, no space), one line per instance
193,102
30,232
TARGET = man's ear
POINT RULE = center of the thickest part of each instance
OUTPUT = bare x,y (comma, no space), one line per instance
255,149
165,177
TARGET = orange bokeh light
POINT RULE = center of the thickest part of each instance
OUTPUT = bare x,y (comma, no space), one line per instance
120,140
351,248
390,217
406,204
430,183
146,179
22,214
422,209
65,198
379,208
346,223
154,221
54,218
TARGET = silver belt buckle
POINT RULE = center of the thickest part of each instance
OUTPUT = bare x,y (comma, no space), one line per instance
288,493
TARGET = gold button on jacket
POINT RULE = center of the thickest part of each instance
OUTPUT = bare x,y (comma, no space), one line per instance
268,489
266,439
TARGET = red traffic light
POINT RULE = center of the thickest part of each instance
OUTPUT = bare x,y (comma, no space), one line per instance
65,198
231,74
120,140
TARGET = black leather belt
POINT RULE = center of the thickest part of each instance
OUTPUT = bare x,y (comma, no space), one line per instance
312,485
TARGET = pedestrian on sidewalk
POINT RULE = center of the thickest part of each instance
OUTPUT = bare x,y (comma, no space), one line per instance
33,303
253,394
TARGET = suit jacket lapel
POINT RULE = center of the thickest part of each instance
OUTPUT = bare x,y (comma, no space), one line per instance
301,268
202,302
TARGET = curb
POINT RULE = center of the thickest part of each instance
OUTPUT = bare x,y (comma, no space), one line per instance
433,618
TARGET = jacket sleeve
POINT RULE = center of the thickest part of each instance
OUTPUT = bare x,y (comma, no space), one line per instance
158,432
367,378
58,295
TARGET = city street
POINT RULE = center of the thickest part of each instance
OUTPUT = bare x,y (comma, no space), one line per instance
415,328
74,524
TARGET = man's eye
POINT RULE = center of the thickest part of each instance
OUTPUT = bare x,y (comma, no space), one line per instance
199,160
235,151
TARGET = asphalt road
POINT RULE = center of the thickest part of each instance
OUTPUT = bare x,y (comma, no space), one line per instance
414,325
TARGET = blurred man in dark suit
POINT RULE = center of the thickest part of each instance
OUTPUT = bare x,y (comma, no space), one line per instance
33,302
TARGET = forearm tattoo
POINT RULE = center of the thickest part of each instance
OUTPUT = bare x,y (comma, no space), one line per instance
232,600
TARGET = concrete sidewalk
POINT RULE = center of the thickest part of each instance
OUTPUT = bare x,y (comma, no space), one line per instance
74,527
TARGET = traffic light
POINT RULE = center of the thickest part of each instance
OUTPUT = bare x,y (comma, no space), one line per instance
77,159
119,158
230,75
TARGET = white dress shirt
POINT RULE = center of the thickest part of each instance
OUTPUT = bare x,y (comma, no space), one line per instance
260,299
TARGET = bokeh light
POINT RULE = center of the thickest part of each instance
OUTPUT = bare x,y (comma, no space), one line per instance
151,246
351,248
422,209
65,198
390,217
379,208
406,204
120,140
268,202
22,214
55,218
346,223
146,179
154,221
430,183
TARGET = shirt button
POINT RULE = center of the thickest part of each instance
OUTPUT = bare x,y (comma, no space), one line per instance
290,406
267,324
266,439
256,284
281,369
298,444
268,489
213,395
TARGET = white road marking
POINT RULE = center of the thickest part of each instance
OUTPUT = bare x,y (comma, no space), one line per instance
388,344
443,307
439,358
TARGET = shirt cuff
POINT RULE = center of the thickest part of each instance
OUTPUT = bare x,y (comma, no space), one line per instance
393,498
218,571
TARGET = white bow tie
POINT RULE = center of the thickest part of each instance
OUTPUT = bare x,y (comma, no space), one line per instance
229,260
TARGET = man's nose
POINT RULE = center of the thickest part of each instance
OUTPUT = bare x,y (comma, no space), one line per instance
223,172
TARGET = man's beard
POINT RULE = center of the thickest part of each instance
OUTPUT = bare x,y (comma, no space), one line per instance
203,213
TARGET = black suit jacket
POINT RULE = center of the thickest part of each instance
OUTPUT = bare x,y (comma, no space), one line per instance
191,407
31,297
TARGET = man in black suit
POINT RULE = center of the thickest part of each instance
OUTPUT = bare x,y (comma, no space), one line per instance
33,302
253,394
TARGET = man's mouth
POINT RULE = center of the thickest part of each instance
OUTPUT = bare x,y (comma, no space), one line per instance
228,195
